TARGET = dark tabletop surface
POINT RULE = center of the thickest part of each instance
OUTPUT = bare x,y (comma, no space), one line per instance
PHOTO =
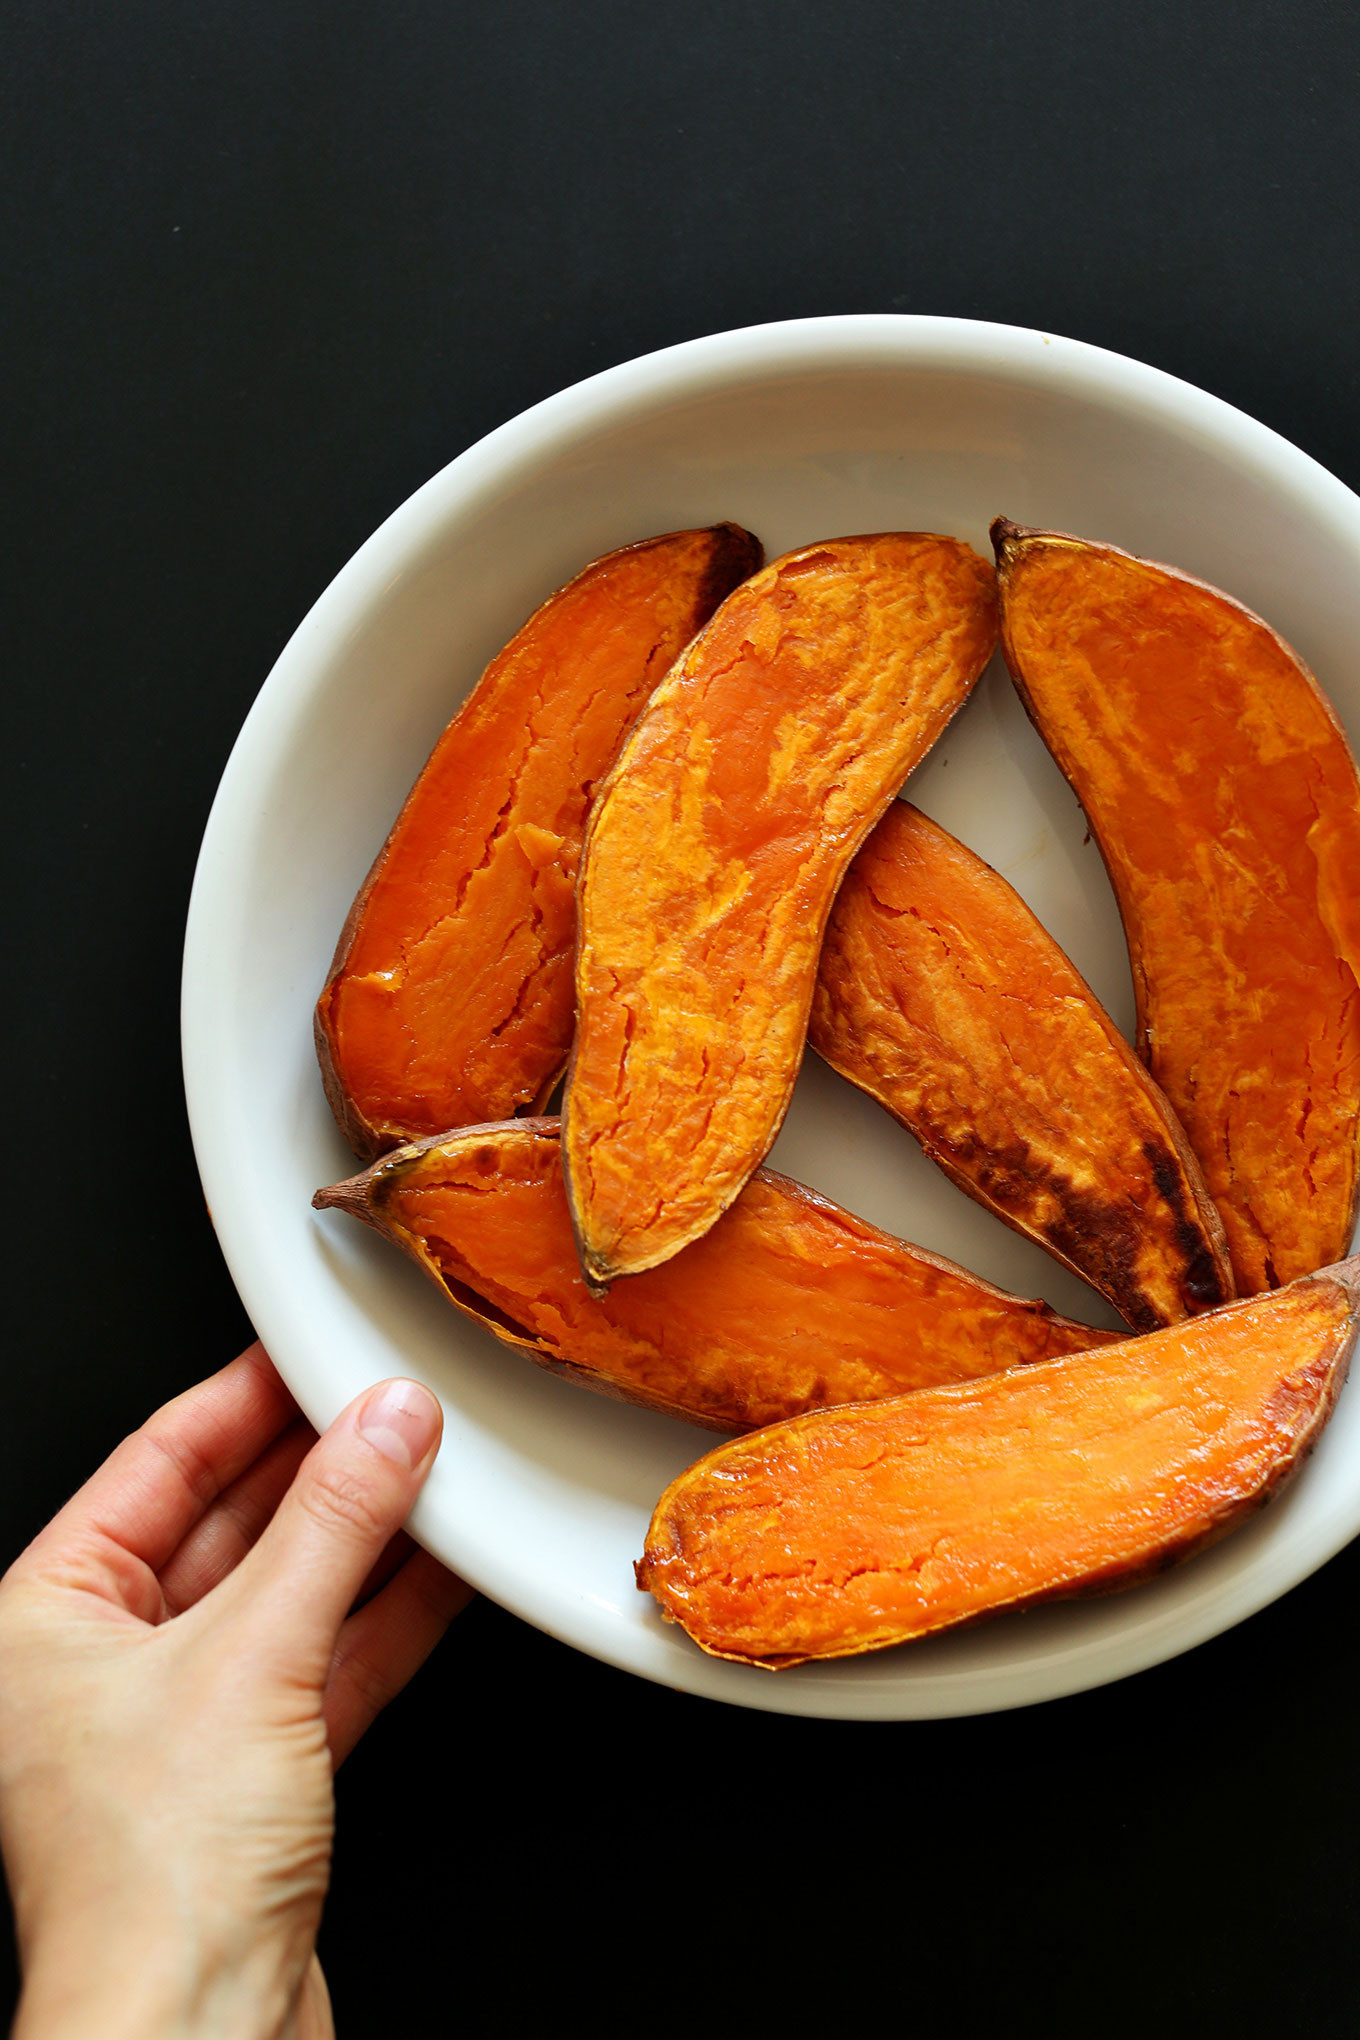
268,265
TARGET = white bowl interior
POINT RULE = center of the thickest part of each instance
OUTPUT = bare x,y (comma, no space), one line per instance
541,1494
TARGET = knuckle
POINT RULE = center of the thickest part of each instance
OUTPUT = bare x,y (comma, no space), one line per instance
339,1499
187,1463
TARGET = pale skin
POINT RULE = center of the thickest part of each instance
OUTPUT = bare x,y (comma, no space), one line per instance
186,1653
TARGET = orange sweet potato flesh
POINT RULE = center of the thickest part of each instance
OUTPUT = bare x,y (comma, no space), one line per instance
788,1304
1226,802
848,1530
942,996
449,1000
714,852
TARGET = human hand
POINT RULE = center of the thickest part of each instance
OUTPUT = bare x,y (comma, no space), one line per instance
186,1652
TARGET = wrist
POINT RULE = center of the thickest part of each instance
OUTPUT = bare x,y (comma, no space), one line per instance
69,1994
136,1981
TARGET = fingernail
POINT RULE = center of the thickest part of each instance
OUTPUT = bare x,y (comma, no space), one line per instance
401,1420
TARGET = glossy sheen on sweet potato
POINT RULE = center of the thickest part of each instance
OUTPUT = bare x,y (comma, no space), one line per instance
788,1304
942,996
450,998
1226,802
848,1530
714,851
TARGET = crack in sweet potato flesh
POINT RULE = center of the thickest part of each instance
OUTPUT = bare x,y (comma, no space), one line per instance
450,1001
788,1304
942,996
848,1530
1226,802
714,852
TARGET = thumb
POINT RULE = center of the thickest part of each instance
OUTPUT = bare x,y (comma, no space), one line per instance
351,1493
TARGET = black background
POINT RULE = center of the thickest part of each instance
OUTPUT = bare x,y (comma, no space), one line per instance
267,266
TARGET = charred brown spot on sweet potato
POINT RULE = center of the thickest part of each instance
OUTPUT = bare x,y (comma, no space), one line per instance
449,1000
1205,1282
788,1304
713,855
941,995
848,1530
1226,803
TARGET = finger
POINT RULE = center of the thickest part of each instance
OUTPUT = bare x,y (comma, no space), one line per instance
386,1643
390,1560
151,1491
217,1544
353,1491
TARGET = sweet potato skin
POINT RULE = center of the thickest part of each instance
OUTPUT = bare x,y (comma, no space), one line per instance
449,999
850,1530
942,996
1226,803
713,854
788,1304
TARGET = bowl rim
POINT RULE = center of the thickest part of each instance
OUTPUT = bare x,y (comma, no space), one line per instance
616,396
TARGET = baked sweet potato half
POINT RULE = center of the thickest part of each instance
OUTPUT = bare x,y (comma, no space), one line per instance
449,999
847,1530
1226,802
942,996
714,851
789,1303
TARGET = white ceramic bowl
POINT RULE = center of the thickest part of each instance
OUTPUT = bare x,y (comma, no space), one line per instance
801,431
